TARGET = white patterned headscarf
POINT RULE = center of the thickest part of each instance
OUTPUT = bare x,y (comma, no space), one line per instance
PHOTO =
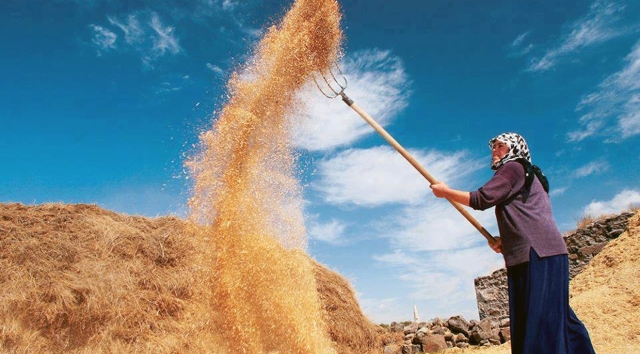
518,148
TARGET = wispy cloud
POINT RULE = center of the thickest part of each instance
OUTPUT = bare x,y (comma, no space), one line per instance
215,69
591,168
380,175
595,27
377,83
164,39
620,202
455,269
171,83
103,39
385,310
143,32
229,5
518,41
397,258
554,192
167,87
215,6
331,232
132,29
519,47
231,13
439,281
433,226
617,99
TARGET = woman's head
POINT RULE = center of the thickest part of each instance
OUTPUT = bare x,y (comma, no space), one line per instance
508,147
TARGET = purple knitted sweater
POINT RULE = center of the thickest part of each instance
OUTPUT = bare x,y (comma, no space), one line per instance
524,217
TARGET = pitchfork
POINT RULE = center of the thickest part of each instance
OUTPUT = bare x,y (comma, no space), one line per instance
335,84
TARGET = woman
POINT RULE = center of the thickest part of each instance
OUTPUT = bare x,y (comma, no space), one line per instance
542,322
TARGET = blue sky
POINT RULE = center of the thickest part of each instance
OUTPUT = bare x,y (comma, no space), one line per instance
102,100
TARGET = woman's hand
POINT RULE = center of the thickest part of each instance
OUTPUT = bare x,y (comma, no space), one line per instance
496,245
440,189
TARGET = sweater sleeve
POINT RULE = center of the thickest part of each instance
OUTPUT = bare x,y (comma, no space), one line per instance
499,188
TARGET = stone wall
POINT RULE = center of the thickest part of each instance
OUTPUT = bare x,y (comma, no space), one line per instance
438,334
583,244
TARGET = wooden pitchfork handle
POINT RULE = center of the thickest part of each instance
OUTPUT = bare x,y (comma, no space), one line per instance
414,163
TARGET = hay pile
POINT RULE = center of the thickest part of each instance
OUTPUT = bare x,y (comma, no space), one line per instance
606,295
80,279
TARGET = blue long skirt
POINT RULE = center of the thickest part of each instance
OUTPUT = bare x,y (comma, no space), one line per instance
542,322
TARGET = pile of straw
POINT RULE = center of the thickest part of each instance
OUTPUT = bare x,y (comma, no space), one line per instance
80,279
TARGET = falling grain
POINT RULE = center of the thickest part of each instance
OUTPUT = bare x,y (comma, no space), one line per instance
247,191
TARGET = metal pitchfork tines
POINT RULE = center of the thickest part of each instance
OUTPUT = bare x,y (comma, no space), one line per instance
335,83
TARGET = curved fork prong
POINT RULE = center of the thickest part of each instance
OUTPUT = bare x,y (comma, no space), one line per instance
336,83
331,94
340,76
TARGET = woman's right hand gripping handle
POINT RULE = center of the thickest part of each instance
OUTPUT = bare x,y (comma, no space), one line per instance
496,245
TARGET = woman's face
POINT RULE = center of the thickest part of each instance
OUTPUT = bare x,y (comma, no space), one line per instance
498,151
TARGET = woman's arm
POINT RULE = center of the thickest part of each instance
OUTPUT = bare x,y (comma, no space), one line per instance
441,190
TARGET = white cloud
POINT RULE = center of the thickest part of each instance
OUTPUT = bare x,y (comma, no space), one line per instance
145,34
397,258
447,280
591,125
103,38
518,46
595,27
620,202
385,310
132,29
167,87
216,69
557,191
331,232
472,262
380,175
593,167
216,6
377,83
229,5
164,39
439,282
629,121
434,226
231,13
520,39
618,99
